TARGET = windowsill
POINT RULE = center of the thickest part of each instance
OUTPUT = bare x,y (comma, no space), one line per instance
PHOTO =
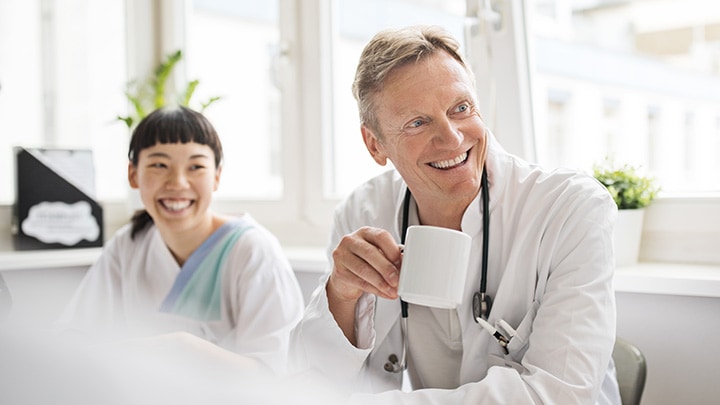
645,277
12,260
303,260
669,279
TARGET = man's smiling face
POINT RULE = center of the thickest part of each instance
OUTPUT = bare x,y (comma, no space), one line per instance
430,129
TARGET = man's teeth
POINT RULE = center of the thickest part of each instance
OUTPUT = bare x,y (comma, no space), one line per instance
176,205
449,163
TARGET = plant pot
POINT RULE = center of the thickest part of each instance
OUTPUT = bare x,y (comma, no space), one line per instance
626,236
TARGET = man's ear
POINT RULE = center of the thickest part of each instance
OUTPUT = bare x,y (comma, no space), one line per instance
132,175
374,145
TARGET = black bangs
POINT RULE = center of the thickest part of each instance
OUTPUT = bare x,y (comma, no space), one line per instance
176,124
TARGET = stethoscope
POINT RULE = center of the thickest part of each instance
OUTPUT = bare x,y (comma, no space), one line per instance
481,301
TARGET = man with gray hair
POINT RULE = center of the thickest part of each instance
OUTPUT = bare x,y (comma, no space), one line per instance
541,248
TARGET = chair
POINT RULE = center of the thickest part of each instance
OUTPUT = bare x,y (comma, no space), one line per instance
631,371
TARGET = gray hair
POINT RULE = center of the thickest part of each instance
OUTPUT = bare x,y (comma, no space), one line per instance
393,48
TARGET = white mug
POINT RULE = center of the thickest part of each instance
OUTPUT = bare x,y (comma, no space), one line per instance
434,266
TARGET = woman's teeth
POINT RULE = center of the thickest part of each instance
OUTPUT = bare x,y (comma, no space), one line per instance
446,164
176,205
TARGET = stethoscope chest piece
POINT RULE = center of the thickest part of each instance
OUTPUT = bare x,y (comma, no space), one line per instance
482,303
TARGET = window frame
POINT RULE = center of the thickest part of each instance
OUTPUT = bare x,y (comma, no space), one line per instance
678,228
302,216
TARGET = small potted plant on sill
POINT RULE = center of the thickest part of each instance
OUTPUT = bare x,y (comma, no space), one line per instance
148,95
632,192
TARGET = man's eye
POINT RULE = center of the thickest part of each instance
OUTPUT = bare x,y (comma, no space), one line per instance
416,123
463,108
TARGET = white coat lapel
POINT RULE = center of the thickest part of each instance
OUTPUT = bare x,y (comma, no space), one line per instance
387,313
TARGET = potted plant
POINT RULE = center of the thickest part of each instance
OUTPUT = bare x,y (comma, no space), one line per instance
632,192
150,94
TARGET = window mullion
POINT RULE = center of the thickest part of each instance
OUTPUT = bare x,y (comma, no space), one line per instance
497,50
316,67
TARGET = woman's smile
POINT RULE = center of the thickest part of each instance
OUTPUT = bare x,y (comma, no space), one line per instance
175,205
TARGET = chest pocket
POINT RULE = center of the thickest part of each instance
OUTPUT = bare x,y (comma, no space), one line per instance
518,344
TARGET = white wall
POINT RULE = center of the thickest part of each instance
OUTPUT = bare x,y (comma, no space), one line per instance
679,336
39,296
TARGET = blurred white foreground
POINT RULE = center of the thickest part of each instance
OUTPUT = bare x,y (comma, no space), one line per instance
37,367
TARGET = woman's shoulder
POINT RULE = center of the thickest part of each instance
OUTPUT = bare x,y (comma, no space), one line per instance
123,251
254,247
249,233
125,243
124,234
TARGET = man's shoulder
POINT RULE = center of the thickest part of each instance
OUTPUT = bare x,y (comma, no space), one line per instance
382,188
373,203
557,179
574,181
559,186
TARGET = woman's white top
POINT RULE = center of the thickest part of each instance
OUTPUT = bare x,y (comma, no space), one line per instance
260,299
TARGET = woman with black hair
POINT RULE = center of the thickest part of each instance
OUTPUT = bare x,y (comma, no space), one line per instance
179,266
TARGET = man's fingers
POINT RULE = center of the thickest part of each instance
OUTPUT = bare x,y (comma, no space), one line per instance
362,264
354,274
382,253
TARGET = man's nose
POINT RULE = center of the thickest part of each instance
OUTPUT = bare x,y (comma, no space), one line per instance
447,134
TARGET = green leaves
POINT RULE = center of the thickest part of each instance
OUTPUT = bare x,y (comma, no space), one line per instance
629,189
151,94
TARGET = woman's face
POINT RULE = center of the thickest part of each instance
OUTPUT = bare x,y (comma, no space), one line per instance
176,182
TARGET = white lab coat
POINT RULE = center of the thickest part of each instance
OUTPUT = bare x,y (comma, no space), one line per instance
550,274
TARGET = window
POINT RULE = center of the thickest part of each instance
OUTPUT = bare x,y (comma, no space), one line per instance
557,118
560,82
618,60
638,82
20,85
67,91
242,68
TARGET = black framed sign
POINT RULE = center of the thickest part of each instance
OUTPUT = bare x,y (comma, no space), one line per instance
55,204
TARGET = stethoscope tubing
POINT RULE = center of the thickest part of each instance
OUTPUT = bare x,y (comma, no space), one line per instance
481,301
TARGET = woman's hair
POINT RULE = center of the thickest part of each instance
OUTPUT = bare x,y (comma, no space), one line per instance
176,124
392,48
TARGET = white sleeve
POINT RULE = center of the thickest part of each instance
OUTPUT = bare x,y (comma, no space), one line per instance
318,345
264,298
96,305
